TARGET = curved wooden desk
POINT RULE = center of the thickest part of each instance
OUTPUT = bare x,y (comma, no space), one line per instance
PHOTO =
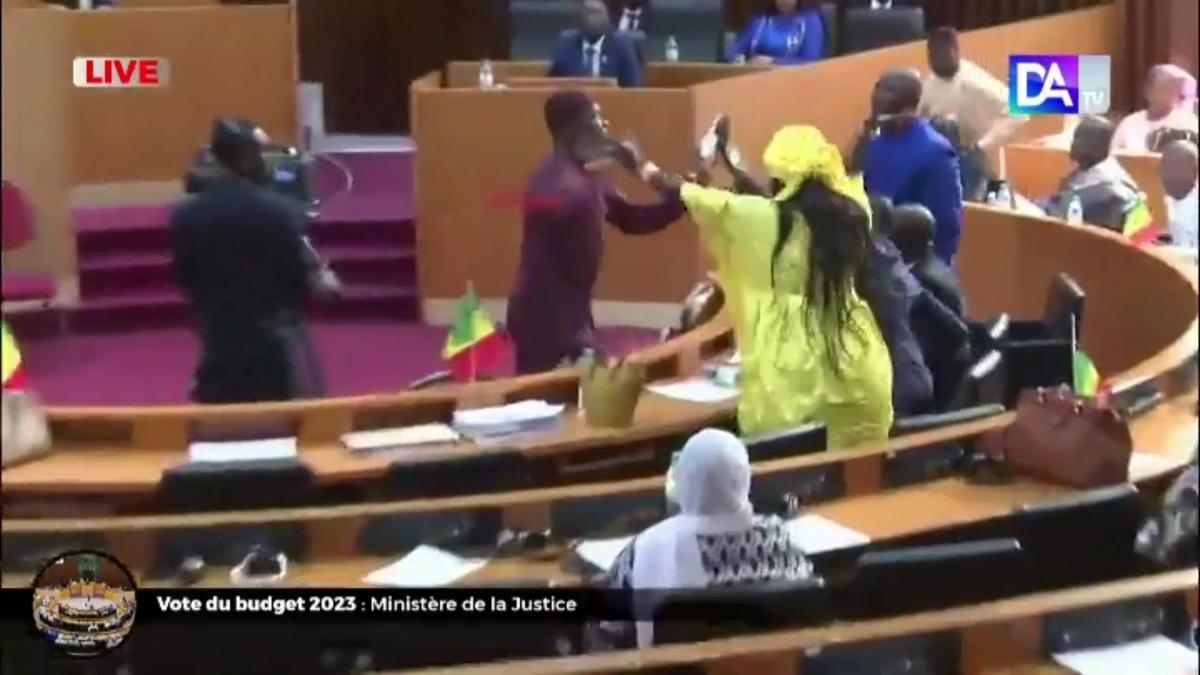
1003,636
1140,328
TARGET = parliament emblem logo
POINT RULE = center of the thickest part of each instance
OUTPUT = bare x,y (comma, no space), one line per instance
84,603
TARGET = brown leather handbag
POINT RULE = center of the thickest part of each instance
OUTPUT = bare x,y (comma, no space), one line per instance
1061,438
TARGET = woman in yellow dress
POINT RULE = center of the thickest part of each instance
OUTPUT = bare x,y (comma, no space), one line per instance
810,348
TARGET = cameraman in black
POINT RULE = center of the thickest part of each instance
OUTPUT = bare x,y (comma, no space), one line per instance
241,258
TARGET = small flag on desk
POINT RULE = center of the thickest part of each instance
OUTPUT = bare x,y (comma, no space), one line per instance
1139,224
1087,378
14,371
474,346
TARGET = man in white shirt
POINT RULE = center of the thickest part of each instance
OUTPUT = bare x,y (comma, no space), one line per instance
962,91
1178,171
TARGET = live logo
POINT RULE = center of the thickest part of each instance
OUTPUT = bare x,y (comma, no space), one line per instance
119,71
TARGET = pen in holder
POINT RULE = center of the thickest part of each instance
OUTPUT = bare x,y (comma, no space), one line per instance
610,393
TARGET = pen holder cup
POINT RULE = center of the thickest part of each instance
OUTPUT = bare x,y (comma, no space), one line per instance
610,394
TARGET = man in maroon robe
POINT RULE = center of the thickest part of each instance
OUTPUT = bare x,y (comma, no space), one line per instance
550,308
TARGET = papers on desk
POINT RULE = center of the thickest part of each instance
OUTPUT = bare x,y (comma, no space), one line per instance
243,451
695,390
815,534
1146,464
425,567
398,437
507,419
602,553
1153,655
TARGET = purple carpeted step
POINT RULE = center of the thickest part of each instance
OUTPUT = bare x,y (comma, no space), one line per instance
117,274
166,307
384,233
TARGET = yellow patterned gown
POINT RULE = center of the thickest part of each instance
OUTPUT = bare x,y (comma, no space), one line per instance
786,379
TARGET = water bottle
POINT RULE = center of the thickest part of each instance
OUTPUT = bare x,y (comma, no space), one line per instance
672,50
1004,196
487,78
1075,211
586,359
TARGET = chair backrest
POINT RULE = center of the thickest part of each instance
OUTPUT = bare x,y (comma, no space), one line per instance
499,470
1064,308
696,25
829,17
695,615
983,384
260,484
904,580
804,440
916,424
867,28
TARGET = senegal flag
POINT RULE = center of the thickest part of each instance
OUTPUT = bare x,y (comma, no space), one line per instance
473,346
1139,224
1087,378
14,373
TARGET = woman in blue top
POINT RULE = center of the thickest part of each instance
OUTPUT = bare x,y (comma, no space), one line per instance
787,36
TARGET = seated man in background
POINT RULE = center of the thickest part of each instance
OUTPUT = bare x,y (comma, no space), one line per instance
240,257
789,33
912,232
595,50
963,92
885,282
1105,190
1170,100
905,159
1178,172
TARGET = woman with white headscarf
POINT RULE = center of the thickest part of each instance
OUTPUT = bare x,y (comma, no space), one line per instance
716,540
1170,105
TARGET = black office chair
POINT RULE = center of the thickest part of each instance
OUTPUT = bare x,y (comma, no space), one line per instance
905,580
696,25
867,29
496,470
829,17
1062,318
938,460
928,654
607,515
1041,352
786,493
984,383
696,615
1102,526
803,440
207,486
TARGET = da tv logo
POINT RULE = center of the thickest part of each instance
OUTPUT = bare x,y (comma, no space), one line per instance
1059,84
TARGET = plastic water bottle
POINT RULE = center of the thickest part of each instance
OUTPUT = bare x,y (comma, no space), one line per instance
1004,197
487,77
585,364
672,49
1075,211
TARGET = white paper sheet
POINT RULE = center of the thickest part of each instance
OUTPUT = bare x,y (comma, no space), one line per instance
425,567
1143,464
815,534
507,419
1156,655
243,451
397,437
602,552
695,390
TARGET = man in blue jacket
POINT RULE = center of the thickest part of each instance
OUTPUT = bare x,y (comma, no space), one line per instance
905,159
595,50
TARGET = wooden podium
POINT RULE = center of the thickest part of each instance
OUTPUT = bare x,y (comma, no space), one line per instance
224,61
474,145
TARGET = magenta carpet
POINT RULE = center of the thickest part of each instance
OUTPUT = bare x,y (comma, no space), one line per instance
154,367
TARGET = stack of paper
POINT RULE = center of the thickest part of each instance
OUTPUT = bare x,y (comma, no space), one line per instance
378,439
815,534
1152,655
425,567
602,553
243,451
695,390
507,419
